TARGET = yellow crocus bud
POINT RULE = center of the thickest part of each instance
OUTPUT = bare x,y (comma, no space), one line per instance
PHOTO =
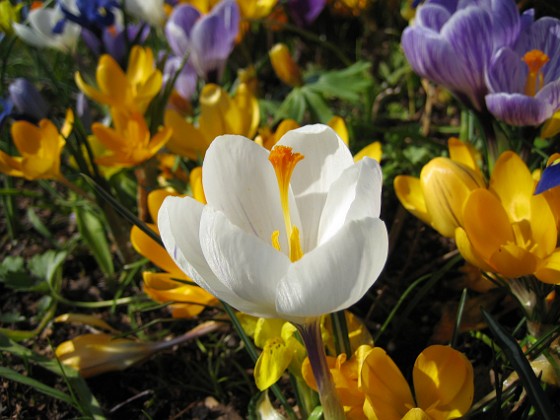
284,66
446,185
93,354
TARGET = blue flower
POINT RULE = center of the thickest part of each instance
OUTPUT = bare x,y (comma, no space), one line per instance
524,79
94,15
550,177
452,41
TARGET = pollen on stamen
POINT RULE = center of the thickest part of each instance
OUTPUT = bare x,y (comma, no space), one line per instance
535,60
284,159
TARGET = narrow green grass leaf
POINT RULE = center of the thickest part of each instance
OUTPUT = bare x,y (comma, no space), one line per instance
92,231
521,365
33,383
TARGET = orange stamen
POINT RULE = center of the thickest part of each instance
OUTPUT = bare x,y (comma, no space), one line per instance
535,60
284,161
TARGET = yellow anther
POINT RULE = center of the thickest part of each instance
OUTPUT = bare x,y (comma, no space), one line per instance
535,60
284,160
275,239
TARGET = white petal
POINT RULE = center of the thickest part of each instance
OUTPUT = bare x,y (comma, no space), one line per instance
355,195
325,158
179,226
239,180
31,37
247,266
335,275
150,11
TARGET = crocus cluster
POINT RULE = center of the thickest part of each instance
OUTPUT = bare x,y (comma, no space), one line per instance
502,62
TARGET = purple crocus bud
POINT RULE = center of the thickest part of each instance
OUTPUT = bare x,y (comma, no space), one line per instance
83,110
115,40
304,12
208,39
27,100
185,80
524,80
452,41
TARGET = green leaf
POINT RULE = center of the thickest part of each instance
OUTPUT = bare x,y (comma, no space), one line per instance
87,402
348,84
92,231
46,265
293,106
316,414
39,386
317,105
38,224
521,365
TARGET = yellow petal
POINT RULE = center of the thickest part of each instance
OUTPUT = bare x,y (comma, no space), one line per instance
385,387
443,381
486,223
511,260
93,354
372,151
272,363
86,320
337,124
249,114
409,192
186,140
416,414
155,200
549,270
10,165
466,249
150,249
284,65
90,91
463,153
188,300
195,180
267,329
214,106
552,126
113,83
446,185
512,181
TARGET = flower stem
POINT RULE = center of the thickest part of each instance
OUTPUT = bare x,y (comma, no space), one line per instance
311,335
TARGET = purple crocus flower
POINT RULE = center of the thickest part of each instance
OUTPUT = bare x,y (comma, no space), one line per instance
27,100
304,12
207,39
452,41
113,40
524,79
185,76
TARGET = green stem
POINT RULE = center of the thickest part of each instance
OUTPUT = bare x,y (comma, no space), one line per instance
340,332
311,335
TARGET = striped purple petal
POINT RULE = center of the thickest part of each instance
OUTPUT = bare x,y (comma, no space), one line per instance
507,72
519,110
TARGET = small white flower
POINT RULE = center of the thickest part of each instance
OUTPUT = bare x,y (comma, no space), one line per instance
40,34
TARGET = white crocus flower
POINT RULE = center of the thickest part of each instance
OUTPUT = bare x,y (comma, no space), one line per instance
150,11
293,234
40,33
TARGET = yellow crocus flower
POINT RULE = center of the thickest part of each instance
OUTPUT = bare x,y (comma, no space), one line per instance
346,377
437,198
130,142
256,9
9,14
284,65
186,300
131,91
507,229
443,383
39,148
219,114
